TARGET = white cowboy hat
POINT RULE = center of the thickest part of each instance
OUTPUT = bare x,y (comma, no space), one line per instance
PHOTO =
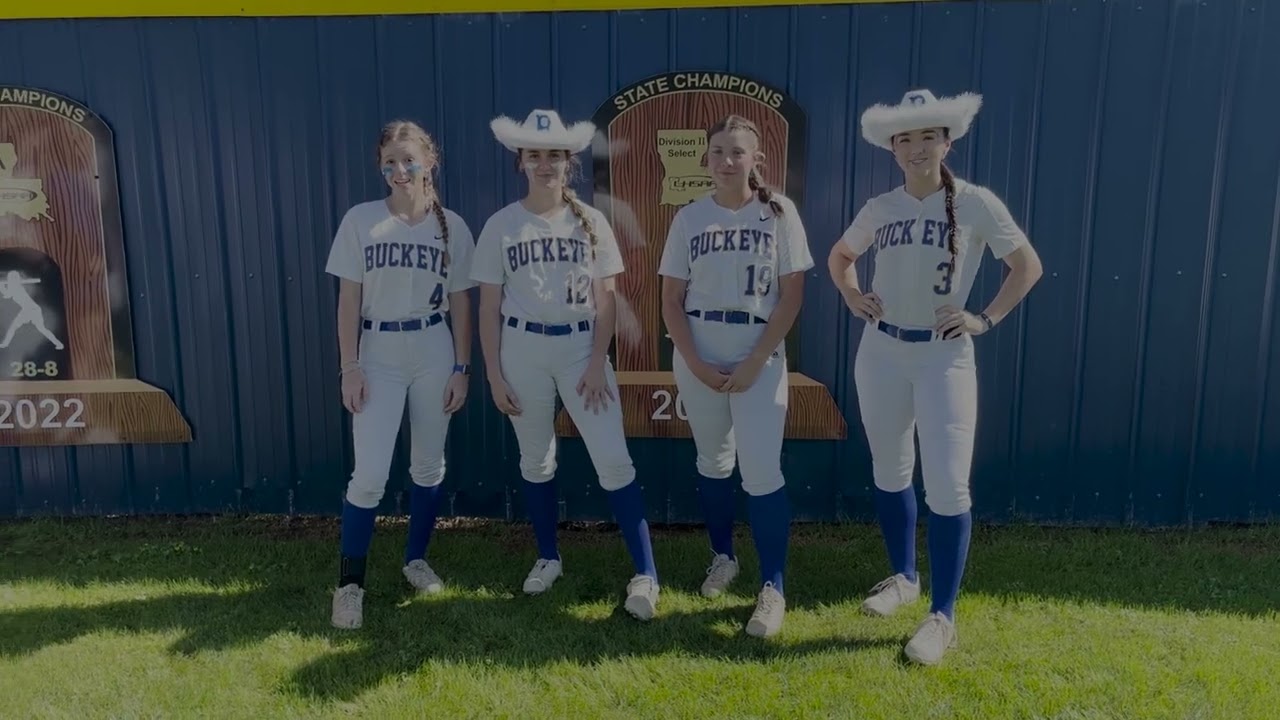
542,130
919,109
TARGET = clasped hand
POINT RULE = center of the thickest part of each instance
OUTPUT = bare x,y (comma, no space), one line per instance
736,379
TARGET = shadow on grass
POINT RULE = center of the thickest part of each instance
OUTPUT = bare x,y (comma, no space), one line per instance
1224,569
401,633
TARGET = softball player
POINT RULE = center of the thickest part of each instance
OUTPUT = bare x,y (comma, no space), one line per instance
403,264
733,280
915,363
546,266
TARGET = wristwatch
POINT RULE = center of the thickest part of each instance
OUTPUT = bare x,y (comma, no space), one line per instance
986,320
464,369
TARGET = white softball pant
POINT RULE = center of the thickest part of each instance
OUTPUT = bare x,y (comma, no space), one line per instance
537,368
746,426
410,366
929,385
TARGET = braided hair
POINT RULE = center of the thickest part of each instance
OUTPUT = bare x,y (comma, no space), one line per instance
949,189
754,181
406,130
571,198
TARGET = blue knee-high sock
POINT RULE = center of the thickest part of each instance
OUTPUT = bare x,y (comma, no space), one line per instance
897,512
628,510
424,503
541,499
357,534
948,550
771,528
716,495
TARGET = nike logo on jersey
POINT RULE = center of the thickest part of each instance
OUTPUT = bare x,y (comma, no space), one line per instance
548,250
408,255
903,232
756,242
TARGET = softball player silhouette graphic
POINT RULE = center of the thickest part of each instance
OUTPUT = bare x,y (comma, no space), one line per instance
915,365
546,266
733,280
403,263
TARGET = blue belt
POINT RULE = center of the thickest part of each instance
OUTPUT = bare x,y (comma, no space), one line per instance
403,325
733,317
905,334
543,329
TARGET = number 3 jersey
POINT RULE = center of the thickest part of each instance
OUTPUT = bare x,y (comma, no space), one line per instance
731,259
401,267
912,276
546,264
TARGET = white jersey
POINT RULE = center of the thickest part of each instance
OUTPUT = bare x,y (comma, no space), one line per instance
731,259
911,275
401,267
545,264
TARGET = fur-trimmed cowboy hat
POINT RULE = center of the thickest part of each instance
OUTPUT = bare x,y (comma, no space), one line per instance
919,109
542,130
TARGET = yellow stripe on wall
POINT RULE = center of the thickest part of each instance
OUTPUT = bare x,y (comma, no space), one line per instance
30,9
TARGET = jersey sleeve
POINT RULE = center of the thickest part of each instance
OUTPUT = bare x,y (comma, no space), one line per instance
462,248
346,258
608,260
486,261
793,246
996,226
675,252
861,233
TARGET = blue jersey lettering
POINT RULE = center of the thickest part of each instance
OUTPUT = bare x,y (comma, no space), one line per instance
394,254
547,250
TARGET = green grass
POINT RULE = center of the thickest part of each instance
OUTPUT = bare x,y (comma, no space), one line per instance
229,618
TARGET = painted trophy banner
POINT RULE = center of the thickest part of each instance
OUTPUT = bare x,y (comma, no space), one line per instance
647,167
67,374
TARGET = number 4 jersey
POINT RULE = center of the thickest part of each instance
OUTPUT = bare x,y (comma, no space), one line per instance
401,267
913,275
546,264
731,259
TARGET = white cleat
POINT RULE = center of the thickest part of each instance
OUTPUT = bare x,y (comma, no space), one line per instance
770,607
722,572
642,597
932,639
890,594
422,577
348,607
542,576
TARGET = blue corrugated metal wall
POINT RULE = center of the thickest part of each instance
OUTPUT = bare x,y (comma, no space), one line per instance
1134,139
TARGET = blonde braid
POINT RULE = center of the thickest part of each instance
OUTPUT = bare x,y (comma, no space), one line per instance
580,212
441,219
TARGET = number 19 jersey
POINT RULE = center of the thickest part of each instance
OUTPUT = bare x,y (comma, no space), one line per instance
731,259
